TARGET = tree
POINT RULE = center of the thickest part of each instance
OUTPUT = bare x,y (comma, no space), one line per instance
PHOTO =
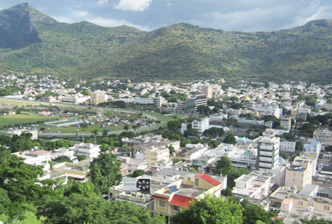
62,159
76,187
313,220
253,213
105,172
81,157
137,173
171,150
328,148
104,147
126,127
210,210
19,181
284,155
81,209
230,139
94,132
224,165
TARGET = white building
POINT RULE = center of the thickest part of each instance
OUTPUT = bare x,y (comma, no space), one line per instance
89,150
268,150
287,146
201,124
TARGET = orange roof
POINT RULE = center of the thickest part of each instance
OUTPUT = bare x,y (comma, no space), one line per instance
208,179
181,200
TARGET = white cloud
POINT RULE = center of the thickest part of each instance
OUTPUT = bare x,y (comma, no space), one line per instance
63,19
111,23
103,2
81,13
133,5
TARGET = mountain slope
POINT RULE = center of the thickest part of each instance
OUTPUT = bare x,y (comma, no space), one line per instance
30,41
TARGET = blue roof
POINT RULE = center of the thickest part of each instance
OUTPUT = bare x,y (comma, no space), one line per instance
244,139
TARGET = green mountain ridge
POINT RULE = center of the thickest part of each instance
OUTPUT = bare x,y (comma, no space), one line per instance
33,42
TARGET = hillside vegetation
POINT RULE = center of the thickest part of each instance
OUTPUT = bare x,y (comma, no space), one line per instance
30,41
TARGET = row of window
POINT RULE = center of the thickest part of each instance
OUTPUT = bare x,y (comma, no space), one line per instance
326,207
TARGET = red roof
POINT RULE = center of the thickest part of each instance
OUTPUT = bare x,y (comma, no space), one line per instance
208,179
159,197
181,200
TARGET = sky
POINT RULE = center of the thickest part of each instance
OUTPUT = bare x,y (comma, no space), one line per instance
229,15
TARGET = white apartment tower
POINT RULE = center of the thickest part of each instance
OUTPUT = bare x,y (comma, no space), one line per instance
97,97
268,150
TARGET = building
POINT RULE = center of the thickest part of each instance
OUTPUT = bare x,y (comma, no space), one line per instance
300,173
208,91
89,150
159,101
155,154
324,136
312,147
201,124
256,185
97,97
268,150
177,196
286,123
287,146
193,102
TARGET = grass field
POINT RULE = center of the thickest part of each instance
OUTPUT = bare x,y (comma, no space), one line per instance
20,119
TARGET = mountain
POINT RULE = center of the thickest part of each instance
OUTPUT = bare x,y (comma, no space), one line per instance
31,41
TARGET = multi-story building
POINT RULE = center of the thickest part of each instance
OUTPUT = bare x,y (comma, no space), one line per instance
268,150
287,146
193,102
324,136
201,124
286,123
177,196
155,154
208,91
87,149
97,97
312,147
300,173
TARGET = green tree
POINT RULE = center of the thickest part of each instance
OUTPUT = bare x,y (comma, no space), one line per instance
230,139
224,165
105,172
284,155
81,209
19,181
210,210
253,213
313,220
328,148
76,187
137,173
62,159
81,157
104,147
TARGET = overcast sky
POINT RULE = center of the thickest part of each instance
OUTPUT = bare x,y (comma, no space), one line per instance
230,15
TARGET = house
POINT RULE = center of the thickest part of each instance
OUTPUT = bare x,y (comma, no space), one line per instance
177,196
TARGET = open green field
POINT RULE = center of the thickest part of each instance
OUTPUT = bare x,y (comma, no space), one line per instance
20,119
18,102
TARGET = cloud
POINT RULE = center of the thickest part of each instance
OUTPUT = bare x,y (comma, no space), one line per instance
62,19
103,2
169,4
81,13
133,5
112,22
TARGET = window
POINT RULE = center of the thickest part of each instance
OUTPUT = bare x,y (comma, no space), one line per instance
326,208
162,204
300,203
176,208
196,182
